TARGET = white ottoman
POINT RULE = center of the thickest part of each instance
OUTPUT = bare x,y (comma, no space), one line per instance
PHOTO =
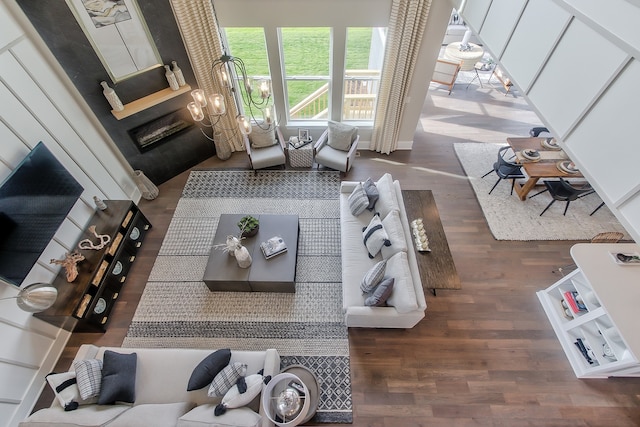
301,157
466,58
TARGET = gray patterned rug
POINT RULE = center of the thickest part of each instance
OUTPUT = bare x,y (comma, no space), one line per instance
307,327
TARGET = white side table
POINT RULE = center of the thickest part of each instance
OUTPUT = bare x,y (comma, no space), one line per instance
301,157
467,58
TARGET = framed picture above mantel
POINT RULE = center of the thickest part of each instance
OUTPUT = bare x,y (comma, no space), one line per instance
118,34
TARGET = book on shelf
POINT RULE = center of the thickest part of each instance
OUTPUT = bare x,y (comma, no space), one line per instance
574,301
272,247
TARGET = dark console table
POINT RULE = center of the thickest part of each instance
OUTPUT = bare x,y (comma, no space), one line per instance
437,269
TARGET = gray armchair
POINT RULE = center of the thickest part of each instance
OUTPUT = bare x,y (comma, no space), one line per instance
261,155
334,158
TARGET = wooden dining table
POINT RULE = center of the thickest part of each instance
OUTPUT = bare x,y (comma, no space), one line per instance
546,167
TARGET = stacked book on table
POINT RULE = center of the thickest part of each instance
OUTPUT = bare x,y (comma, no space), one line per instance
273,247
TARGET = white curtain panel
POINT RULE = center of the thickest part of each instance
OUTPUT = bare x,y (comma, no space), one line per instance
406,26
201,36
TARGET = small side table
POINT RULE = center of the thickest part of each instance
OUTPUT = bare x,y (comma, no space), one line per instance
301,157
309,379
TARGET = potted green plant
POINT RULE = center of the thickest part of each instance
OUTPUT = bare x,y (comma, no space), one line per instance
248,226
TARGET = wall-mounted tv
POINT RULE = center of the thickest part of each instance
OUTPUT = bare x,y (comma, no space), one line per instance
34,201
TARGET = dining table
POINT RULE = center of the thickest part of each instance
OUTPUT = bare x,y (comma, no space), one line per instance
547,166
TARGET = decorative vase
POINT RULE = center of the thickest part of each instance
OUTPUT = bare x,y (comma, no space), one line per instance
243,257
171,78
178,73
112,97
99,203
147,188
233,244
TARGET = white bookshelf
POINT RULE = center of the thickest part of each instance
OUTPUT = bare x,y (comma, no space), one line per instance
611,294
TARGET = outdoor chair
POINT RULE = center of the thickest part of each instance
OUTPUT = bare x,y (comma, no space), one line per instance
505,169
265,148
563,191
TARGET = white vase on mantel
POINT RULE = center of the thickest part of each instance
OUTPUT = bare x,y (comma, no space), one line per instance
171,78
112,97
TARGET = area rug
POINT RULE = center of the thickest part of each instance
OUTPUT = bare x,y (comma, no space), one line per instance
509,218
307,327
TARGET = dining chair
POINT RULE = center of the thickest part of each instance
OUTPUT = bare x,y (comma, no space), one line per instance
505,168
561,190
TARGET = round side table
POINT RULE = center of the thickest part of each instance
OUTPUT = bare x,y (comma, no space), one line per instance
467,58
309,379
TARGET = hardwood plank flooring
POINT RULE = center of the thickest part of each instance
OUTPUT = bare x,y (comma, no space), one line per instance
484,355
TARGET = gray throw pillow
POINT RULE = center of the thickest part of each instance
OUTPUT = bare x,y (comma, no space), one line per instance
261,138
380,294
89,377
372,193
208,368
118,378
358,200
341,135
226,379
373,277
375,236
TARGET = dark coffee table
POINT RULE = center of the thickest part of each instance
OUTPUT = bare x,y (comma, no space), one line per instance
264,275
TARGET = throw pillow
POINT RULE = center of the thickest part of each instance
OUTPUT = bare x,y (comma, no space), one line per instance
380,294
235,398
226,379
341,135
208,368
403,297
372,193
118,378
358,200
88,377
65,388
373,277
260,137
374,236
388,201
393,226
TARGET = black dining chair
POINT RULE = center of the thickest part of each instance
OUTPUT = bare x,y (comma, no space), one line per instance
505,169
561,190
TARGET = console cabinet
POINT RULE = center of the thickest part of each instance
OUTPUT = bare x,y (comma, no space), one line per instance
86,303
606,325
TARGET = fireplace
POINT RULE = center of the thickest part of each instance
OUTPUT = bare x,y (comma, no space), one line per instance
160,130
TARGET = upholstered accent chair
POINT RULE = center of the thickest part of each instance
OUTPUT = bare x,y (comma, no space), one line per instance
265,148
336,147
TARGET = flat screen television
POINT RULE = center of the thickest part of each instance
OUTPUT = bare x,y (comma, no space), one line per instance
34,201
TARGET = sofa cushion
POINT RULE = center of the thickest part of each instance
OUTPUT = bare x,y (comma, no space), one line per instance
156,414
374,236
403,297
89,377
84,416
203,416
380,294
207,370
234,398
118,378
261,138
341,135
226,378
393,226
387,200
372,193
65,387
373,277
358,200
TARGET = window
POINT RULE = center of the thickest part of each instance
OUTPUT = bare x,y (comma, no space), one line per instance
364,56
306,72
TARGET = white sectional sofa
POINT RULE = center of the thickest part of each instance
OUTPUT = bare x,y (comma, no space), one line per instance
161,396
407,304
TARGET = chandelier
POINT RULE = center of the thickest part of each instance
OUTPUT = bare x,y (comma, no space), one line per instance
227,73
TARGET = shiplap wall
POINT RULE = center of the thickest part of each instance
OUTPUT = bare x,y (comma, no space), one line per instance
39,105
578,63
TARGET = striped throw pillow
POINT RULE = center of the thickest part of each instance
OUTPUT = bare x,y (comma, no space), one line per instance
358,200
373,277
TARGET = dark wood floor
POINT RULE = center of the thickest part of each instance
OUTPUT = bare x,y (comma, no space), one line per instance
484,355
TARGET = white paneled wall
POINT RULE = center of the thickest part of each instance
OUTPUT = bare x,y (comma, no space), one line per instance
40,104
577,63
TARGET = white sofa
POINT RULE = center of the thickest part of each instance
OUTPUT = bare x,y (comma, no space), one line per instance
408,294
161,396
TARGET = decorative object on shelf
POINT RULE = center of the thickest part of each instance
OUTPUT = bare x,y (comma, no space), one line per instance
99,203
35,297
285,400
147,188
248,226
103,239
177,71
420,235
243,257
171,78
69,263
112,97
